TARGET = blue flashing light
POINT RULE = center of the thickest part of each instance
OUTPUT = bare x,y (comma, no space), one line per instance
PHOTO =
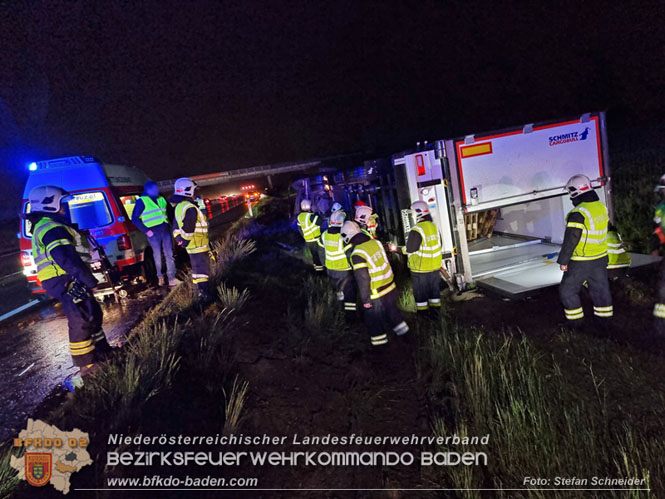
32,167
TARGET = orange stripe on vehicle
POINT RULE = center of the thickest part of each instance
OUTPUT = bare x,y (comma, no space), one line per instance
476,150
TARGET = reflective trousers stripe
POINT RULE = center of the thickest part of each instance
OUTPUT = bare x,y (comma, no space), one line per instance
574,314
350,306
435,302
401,328
659,310
421,305
381,339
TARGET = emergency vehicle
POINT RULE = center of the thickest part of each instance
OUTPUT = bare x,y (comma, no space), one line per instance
498,198
104,196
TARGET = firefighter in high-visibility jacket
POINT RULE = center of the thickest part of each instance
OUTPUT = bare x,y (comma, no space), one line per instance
423,249
310,227
617,256
191,232
376,286
337,261
60,258
658,241
367,220
583,255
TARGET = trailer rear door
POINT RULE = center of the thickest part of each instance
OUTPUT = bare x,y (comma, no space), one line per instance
528,163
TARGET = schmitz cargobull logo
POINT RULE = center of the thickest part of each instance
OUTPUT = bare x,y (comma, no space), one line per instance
38,468
565,138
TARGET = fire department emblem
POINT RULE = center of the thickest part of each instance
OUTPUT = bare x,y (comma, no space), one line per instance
38,468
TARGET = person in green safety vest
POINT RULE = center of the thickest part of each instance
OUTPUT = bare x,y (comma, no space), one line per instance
309,225
337,261
376,285
191,232
583,255
423,249
658,242
64,276
152,215
617,256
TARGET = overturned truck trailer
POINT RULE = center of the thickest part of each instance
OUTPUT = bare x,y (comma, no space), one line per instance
498,198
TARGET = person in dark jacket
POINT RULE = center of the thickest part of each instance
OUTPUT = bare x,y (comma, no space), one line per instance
59,254
583,255
151,216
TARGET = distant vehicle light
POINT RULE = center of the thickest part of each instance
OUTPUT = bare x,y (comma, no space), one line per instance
32,167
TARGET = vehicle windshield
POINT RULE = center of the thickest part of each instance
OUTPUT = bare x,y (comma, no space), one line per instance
90,210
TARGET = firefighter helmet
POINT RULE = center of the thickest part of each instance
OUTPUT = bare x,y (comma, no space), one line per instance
306,205
337,218
359,203
47,199
362,214
420,210
185,187
660,186
577,185
349,229
335,207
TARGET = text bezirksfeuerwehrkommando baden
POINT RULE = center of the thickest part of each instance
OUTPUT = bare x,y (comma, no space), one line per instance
329,439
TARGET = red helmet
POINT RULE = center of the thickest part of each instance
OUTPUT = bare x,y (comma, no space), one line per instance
359,203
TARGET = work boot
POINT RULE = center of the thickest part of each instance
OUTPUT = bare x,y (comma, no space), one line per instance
163,281
174,282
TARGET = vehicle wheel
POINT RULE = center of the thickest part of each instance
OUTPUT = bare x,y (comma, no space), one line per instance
122,293
148,269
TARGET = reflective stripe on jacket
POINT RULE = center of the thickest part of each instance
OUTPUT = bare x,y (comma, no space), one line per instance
47,268
593,243
618,257
375,260
428,257
333,244
153,213
310,230
198,240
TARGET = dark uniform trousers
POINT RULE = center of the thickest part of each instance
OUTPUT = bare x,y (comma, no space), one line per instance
316,250
87,340
426,289
383,317
594,272
200,271
659,308
345,287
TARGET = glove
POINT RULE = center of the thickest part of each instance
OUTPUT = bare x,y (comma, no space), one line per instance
77,291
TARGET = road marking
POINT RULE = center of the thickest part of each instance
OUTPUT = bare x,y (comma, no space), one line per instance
26,369
19,310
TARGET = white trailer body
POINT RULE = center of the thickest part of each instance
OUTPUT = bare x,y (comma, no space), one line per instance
521,172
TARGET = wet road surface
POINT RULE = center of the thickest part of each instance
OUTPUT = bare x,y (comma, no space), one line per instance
35,354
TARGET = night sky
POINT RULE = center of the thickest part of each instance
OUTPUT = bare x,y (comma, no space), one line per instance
179,87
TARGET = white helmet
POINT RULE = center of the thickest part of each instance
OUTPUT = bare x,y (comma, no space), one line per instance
305,205
335,207
47,199
420,209
660,186
350,229
577,185
185,186
362,214
337,218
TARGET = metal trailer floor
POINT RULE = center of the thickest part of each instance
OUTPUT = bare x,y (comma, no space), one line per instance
515,267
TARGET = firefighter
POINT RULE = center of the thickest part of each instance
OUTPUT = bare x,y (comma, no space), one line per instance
618,257
378,292
367,219
659,240
59,256
423,249
583,255
191,232
151,216
337,262
310,227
